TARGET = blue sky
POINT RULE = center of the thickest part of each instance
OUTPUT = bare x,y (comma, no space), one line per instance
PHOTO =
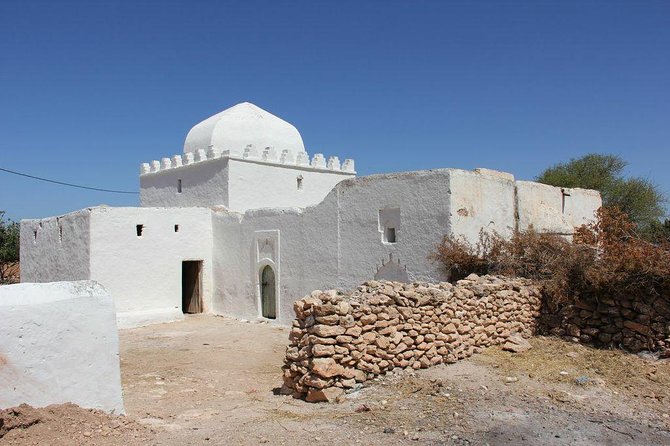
89,90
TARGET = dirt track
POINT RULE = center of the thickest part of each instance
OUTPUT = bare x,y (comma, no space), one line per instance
214,380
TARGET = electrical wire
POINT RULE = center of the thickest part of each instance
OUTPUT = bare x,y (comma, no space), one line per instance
68,184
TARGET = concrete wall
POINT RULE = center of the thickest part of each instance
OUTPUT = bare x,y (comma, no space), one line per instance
59,343
56,248
143,273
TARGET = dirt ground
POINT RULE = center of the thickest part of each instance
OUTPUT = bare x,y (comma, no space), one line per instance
214,380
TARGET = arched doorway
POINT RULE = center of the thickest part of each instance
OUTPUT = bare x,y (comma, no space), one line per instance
268,297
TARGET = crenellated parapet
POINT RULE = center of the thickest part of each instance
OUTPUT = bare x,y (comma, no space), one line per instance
267,155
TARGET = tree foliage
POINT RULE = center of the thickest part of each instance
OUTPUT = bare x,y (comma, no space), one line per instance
9,247
637,197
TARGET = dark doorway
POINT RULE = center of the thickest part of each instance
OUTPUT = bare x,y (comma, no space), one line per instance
191,299
268,298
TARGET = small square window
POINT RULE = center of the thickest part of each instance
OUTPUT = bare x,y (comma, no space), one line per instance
139,229
176,228
299,182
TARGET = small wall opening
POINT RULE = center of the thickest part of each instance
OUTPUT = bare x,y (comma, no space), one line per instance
176,228
191,296
299,182
268,293
389,235
139,229
389,223
179,186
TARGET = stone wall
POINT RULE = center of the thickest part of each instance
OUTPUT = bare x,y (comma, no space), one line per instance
615,322
340,340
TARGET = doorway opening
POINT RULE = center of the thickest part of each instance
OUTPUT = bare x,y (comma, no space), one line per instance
268,294
191,296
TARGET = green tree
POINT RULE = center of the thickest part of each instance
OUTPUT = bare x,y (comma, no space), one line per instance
638,197
9,246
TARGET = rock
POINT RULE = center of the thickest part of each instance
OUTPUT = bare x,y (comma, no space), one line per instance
511,379
329,395
326,367
323,350
325,331
516,344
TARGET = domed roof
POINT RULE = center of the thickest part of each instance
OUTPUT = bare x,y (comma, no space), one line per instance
236,127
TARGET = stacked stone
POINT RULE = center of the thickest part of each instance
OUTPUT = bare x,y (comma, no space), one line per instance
340,340
614,322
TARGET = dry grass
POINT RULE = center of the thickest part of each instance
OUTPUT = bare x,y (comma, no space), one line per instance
614,370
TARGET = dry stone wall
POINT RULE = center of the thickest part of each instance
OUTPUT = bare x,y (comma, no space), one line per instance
338,340
634,324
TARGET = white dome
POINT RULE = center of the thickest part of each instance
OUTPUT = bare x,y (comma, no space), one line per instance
236,127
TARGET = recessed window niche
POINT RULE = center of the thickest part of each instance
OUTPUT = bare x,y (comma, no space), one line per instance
389,224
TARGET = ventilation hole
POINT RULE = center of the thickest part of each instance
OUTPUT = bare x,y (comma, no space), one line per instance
179,186
176,228
139,229
299,182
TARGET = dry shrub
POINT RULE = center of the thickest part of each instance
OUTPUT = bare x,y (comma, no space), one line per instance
608,257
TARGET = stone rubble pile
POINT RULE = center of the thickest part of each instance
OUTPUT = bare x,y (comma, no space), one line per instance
340,340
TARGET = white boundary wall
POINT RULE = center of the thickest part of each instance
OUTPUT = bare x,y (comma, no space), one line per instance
59,343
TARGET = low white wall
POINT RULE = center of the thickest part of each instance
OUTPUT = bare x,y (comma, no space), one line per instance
59,343
56,248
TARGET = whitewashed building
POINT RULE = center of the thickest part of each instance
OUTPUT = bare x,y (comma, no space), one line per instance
245,222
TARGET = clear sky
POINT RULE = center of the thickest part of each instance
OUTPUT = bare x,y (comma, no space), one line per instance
90,89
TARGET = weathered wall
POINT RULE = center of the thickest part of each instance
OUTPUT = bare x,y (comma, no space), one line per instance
56,248
59,343
339,340
554,209
143,273
480,201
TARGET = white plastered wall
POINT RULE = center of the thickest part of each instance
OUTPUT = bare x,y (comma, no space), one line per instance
144,273
336,244
204,183
257,184
238,184
59,343
56,248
